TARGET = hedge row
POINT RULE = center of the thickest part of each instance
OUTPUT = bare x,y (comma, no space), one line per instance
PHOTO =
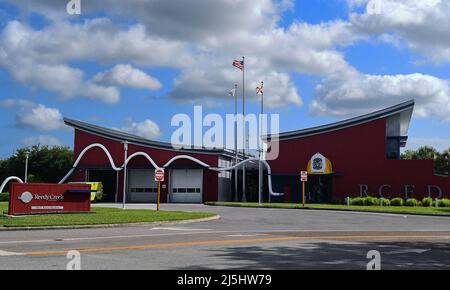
398,201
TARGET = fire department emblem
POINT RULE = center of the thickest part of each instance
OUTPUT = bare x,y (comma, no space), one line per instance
318,164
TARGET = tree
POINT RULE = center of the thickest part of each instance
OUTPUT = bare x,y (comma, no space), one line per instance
45,164
441,160
423,153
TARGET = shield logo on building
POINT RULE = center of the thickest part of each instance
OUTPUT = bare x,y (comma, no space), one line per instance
319,164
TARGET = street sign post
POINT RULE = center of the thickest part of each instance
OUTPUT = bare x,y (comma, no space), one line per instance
159,177
304,178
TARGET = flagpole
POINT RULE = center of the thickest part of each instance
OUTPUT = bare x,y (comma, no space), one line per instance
236,161
243,128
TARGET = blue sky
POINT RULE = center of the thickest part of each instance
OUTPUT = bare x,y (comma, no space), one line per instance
132,67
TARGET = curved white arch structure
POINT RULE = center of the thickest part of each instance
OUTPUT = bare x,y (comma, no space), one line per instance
111,162
144,155
8,180
188,158
269,172
153,163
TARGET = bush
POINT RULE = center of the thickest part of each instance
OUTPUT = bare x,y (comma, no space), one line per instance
398,201
386,202
427,202
444,202
4,196
357,201
412,202
369,201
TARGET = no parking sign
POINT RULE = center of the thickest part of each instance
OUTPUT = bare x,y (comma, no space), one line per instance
304,176
159,175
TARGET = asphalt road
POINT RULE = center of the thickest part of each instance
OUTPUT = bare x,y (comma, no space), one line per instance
244,238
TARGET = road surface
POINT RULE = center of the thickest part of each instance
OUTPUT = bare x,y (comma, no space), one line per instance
244,238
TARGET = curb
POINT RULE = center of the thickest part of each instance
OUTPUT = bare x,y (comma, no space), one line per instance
105,226
336,210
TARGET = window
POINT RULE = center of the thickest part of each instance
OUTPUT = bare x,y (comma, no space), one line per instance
144,190
186,190
393,148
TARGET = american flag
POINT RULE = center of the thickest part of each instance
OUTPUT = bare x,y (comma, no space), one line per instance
260,90
239,64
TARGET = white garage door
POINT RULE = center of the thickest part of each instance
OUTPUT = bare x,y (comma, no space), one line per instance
186,185
142,187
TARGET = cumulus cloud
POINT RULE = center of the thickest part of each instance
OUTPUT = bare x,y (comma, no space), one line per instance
147,128
44,140
166,37
40,57
125,75
355,93
202,45
39,118
206,85
421,25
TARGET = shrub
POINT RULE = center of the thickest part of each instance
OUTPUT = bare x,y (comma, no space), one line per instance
357,201
4,196
411,202
444,202
386,202
427,202
369,201
398,201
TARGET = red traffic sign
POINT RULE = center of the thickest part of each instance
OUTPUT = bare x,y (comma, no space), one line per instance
159,175
304,176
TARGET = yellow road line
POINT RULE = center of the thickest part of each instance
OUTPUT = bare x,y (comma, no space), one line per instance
227,242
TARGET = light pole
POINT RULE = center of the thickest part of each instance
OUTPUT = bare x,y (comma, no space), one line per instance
260,91
243,129
27,154
233,93
125,148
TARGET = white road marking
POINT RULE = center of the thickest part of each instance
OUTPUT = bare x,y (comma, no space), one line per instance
179,229
8,254
208,231
407,251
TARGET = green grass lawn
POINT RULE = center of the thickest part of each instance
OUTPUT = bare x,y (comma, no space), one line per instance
388,209
99,216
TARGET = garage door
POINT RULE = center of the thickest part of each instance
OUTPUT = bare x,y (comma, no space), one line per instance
186,185
142,187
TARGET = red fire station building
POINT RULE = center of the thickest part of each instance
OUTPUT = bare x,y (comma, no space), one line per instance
359,156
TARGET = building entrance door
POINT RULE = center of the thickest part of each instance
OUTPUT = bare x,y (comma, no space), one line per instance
319,188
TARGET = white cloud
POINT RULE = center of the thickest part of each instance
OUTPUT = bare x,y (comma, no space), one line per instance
354,93
422,25
211,84
127,76
39,118
166,37
43,140
10,102
202,45
147,128
40,57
